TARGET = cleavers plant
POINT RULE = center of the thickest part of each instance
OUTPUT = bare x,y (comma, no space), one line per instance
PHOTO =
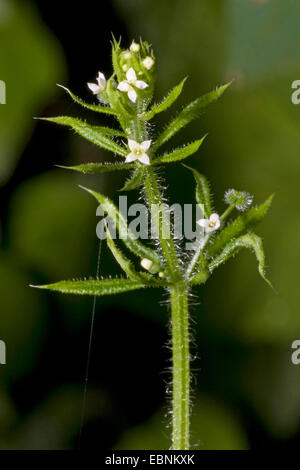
127,96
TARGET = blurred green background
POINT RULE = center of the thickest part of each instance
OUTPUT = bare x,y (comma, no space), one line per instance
246,390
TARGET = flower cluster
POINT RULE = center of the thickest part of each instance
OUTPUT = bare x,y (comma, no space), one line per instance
137,60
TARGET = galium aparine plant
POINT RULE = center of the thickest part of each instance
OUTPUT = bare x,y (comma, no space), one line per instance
127,95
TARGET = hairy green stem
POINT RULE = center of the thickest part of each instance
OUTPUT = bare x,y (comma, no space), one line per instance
179,320
227,212
179,306
181,368
162,224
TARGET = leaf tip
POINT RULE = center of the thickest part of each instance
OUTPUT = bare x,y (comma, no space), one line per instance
186,166
93,193
263,275
269,201
63,87
84,188
64,167
222,88
38,287
200,141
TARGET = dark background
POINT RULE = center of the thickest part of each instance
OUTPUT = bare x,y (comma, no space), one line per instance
246,390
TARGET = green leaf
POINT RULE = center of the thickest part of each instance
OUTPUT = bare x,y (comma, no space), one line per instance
200,278
124,262
239,226
135,179
165,103
179,154
251,241
91,168
132,243
90,133
203,197
190,112
93,107
94,287
116,50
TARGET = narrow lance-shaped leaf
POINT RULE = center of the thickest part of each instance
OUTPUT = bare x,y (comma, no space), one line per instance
90,133
203,197
116,50
135,179
94,287
107,131
179,154
190,112
165,103
93,168
93,107
239,226
126,235
251,241
121,259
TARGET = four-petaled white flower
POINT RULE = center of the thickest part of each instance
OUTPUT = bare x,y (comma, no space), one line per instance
138,151
128,85
98,87
211,224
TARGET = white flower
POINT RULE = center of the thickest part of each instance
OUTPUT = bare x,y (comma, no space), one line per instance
138,151
130,82
134,47
211,224
98,87
148,63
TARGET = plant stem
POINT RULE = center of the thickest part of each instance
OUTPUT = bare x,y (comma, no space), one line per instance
157,209
162,224
181,368
179,303
227,212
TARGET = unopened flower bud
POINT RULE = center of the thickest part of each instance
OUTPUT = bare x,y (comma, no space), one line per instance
134,47
148,63
146,264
